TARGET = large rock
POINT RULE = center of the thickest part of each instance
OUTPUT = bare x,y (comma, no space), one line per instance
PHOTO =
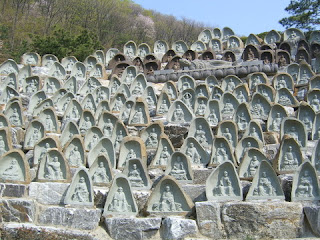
51,193
76,218
312,213
17,210
263,219
197,193
31,231
178,228
209,220
13,190
200,175
133,228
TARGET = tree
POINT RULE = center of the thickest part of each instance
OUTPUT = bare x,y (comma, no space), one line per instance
304,14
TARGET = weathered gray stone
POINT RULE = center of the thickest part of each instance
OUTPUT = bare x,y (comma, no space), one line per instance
176,134
86,219
141,198
197,193
100,195
200,175
133,228
12,190
51,193
262,219
17,210
286,185
178,228
209,220
313,214
16,230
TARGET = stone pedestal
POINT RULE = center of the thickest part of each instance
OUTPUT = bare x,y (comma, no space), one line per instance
17,210
133,228
256,219
76,218
178,228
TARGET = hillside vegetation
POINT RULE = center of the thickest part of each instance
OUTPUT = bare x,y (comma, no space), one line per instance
77,27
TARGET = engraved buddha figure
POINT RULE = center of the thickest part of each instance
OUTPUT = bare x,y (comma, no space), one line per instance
305,188
315,103
81,193
193,153
240,97
108,127
276,122
138,117
178,114
290,160
164,156
228,107
201,108
167,201
221,154
200,135
100,175
224,187
131,154
228,136
93,142
53,169
163,107
49,124
152,140
85,125
253,166
75,157
119,139
12,172
2,146
264,187
15,118
212,118
126,113
135,176
35,137
117,105
178,171
119,202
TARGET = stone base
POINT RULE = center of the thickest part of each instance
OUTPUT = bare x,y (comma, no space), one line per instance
178,228
76,218
13,190
133,228
31,231
241,220
17,210
49,193
312,213
200,175
262,219
197,193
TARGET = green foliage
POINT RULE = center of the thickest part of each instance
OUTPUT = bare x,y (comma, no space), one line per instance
304,14
62,44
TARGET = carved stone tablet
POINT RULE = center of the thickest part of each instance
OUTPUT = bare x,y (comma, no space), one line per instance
179,167
120,200
80,191
223,183
137,174
53,167
265,184
305,185
101,171
14,167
